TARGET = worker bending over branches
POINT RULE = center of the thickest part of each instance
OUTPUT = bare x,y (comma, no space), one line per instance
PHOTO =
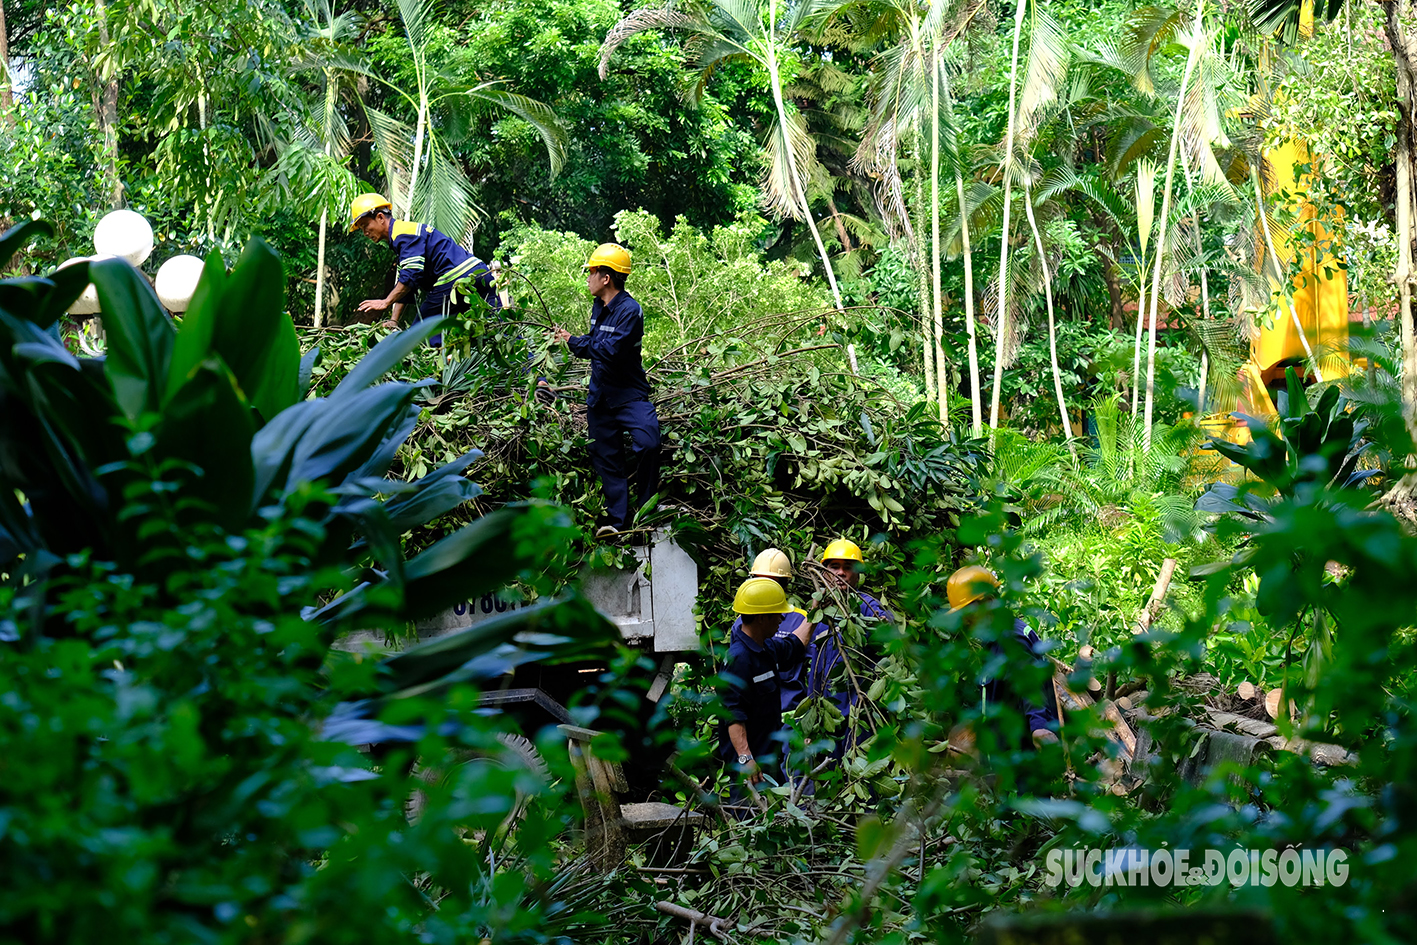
969,589
774,565
756,655
429,261
618,402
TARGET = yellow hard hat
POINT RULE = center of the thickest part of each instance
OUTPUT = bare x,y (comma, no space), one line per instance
969,584
843,550
612,255
365,204
760,595
771,563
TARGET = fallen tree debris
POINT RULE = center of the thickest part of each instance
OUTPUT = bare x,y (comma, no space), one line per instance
712,924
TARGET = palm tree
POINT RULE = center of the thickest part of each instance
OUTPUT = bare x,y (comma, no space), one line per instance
1403,40
1001,323
976,402
755,31
897,99
1199,40
426,181
1048,58
328,135
1146,219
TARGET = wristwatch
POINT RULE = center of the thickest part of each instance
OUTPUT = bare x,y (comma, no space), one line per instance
745,759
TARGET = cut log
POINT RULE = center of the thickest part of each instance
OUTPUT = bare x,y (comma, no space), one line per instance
1271,702
1131,686
1111,713
1070,700
1239,723
1085,652
1320,753
1246,690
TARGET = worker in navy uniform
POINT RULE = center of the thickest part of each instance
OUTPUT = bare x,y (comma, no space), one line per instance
973,584
774,564
618,403
756,655
429,262
844,560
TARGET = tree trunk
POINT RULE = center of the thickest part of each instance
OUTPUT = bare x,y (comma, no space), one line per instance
841,233
331,90
320,271
1205,286
976,401
1116,317
1162,230
936,335
407,210
1404,52
1001,324
107,100
1136,346
7,98
922,270
1052,324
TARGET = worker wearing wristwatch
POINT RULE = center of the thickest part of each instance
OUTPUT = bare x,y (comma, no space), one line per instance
750,674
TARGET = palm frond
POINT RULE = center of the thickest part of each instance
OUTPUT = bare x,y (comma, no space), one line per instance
786,146
539,115
1145,201
444,195
418,21
640,21
393,142
1049,53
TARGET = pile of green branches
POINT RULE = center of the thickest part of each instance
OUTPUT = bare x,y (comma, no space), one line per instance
769,438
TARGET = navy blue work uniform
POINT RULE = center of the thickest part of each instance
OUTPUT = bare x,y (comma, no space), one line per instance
828,658
618,403
1039,710
434,264
752,696
792,681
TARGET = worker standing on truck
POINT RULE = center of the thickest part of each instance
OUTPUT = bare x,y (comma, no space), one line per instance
756,654
618,402
971,586
429,262
774,564
844,560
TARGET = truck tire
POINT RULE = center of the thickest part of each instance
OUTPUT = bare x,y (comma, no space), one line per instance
518,753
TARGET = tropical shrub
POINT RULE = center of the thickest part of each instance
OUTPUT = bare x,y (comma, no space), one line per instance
179,733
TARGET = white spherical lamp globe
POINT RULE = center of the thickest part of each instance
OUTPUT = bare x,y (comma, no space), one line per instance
86,304
125,234
177,281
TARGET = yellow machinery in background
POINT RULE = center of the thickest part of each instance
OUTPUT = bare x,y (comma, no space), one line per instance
1306,327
